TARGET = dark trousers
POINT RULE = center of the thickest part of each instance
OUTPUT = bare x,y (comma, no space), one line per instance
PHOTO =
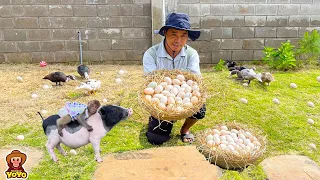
158,134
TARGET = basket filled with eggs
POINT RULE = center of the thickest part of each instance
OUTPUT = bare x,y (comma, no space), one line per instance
172,94
231,146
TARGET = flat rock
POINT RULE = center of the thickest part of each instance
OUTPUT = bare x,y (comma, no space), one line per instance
180,162
291,167
33,157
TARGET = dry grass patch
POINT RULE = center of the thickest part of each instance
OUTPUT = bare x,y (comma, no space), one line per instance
18,106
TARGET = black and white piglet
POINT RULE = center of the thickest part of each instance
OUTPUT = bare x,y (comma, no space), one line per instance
75,135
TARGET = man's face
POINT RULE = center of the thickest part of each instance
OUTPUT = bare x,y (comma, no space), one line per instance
176,39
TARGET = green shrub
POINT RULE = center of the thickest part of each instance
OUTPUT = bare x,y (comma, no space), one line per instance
309,47
220,66
282,58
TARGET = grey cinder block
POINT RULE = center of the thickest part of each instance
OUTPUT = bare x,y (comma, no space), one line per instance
72,2
253,43
18,11
315,21
142,21
210,21
42,56
243,32
221,9
26,23
310,9
291,32
242,55
301,1
205,9
109,33
112,55
121,21
299,21
261,32
115,10
194,10
39,34
6,11
205,35
73,45
258,55
255,20
103,10
217,55
52,46
60,10
275,43
121,44
67,56
119,2
74,22
8,46
99,44
131,9
289,9
134,33
2,58
15,35
141,44
221,32
233,21
50,22
28,46
91,56
96,1
64,34
18,57
36,10
266,9
277,21
88,10
205,58
243,9
231,44
6,22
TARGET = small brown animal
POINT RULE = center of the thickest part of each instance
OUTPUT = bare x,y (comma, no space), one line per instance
59,77
72,113
267,77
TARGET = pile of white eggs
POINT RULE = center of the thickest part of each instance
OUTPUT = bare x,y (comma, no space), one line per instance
173,95
234,141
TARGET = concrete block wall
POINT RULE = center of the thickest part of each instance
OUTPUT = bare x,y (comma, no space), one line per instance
112,30
239,29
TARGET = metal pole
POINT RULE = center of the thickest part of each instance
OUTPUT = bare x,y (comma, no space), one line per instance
80,46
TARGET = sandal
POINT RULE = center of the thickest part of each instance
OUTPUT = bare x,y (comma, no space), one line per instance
185,137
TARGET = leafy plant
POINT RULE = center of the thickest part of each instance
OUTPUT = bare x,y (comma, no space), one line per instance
282,58
309,47
220,66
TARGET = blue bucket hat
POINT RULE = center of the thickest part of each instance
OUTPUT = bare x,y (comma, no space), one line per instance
179,21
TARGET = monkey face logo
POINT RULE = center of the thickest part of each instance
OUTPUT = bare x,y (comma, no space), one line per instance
15,160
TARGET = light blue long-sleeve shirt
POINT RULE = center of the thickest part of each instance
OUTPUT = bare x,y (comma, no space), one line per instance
156,58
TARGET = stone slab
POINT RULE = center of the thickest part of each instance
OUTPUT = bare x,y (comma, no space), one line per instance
291,167
181,162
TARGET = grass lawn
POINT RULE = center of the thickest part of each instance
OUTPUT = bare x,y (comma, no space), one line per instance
285,125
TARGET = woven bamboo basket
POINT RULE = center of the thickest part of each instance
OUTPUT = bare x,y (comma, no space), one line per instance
225,158
158,77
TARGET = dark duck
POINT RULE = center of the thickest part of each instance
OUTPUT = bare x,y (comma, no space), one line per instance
233,66
59,77
84,71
